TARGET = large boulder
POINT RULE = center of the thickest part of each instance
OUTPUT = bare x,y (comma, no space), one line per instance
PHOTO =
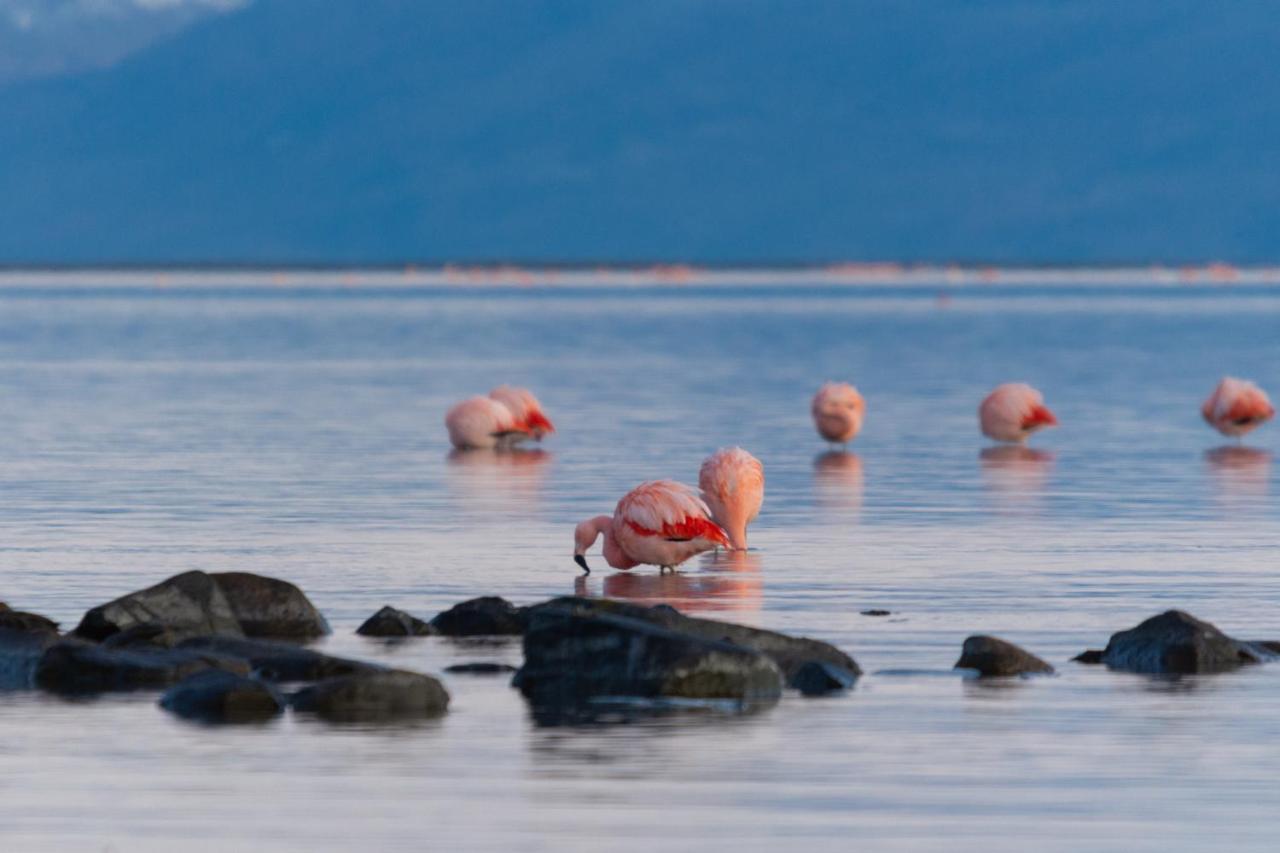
216,696
389,622
276,661
994,657
189,605
789,653
17,620
1177,642
269,607
486,616
373,697
572,658
75,667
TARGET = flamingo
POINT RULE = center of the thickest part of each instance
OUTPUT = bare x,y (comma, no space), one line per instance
1013,411
838,410
660,523
732,483
1237,406
506,417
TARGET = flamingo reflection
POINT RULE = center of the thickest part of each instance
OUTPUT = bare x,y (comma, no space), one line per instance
1241,472
1016,474
725,581
837,476
513,476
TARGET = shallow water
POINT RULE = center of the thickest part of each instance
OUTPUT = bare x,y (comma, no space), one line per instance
298,433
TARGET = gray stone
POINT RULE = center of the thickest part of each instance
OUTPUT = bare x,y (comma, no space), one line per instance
992,656
389,622
817,678
572,658
1177,642
480,668
215,696
372,697
478,617
190,604
269,607
277,661
75,667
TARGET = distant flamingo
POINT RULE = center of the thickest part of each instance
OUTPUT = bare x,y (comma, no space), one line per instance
838,410
661,523
504,418
732,483
1236,407
1013,411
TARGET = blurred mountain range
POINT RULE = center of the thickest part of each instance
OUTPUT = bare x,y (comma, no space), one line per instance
302,131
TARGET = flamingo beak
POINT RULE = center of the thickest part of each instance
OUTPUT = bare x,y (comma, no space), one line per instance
582,561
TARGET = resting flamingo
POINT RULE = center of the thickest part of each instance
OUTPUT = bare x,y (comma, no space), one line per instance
1013,411
732,483
660,523
838,410
1237,406
504,418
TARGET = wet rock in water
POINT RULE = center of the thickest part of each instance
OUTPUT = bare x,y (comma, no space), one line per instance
215,696
190,604
876,613
1089,656
389,622
269,607
789,653
27,623
149,635
480,668
76,667
20,651
277,661
992,656
1272,647
477,617
816,678
371,697
1177,642
572,658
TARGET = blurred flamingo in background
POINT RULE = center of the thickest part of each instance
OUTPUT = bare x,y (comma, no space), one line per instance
504,418
660,523
1013,411
732,483
1237,406
838,410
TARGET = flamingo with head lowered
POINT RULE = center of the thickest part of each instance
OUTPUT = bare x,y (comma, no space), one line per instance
506,417
1237,406
1013,411
660,523
732,483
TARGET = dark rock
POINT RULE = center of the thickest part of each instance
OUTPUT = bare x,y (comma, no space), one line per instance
278,661
190,604
75,667
572,658
30,623
789,653
20,651
479,617
269,607
215,696
1089,656
1177,642
389,622
1270,646
374,697
149,635
992,656
876,613
816,678
481,668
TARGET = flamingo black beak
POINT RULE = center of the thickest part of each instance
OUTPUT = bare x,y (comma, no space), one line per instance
582,561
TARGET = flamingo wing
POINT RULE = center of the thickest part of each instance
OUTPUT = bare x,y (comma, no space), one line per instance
671,510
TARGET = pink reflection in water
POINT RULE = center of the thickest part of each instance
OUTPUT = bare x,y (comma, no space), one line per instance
1240,472
837,476
725,581
1016,475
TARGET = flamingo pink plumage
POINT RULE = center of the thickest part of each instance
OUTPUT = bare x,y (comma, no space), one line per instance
659,523
506,417
1013,411
732,483
525,409
1237,406
838,410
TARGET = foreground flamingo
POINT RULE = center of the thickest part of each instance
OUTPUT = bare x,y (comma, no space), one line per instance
1236,407
661,523
838,409
732,483
1013,411
506,417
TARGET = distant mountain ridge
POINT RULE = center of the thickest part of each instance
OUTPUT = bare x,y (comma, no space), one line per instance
757,131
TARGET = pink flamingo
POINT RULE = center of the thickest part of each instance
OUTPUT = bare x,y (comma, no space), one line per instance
732,483
660,523
1237,406
506,417
1013,411
838,410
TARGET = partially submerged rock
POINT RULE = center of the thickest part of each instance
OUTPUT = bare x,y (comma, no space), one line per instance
480,668
390,622
190,604
269,607
1177,642
216,696
371,697
76,667
817,678
992,656
29,623
277,661
572,658
485,616
20,651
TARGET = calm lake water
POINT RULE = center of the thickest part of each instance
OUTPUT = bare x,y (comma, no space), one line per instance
297,433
